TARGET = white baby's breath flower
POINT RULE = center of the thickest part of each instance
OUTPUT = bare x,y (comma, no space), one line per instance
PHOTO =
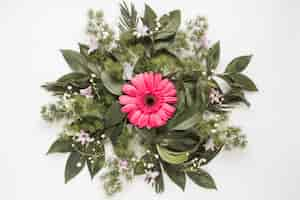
141,30
127,71
93,43
151,176
209,145
105,34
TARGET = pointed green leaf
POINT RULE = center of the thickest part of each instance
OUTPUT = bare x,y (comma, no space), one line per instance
244,82
185,120
139,168
114,115
202,178
111,84
95,165
60,146
149,17
235,96
213,56
177,176
238,64
76,61
74,165
170,25
159,181
171,156
73,76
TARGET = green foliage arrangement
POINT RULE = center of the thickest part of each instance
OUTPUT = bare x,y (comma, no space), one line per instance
187,134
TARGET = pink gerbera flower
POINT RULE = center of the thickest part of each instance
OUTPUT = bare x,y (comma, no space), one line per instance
148,100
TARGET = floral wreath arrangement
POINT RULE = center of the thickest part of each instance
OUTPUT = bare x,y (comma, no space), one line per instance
152,92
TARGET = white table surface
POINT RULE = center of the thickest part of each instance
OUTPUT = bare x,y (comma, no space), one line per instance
32,32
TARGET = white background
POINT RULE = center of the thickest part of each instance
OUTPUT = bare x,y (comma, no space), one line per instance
32,32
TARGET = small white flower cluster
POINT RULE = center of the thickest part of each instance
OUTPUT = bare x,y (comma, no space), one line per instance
215,97
96,30
210,145
142,30
151,176
158,25
127,71
198,29
197,162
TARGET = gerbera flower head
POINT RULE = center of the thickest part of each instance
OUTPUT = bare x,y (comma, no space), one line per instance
148,100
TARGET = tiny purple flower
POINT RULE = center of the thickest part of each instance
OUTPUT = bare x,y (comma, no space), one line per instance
83,138
87,92
123,165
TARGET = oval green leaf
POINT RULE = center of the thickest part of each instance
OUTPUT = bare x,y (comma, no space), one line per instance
75,164
60,146
202,178
113,86
238,64
171,156
76,61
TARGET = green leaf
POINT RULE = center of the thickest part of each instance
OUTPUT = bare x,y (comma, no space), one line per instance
244,82
207,155
129,17
238,64
179,141
170,25
76,61
185,120
73,76
61,145
213,56
75,164
114,115
139,168
149,17
171,156
176,175
235,96
159,182
202,178
112,85
84,49
96,166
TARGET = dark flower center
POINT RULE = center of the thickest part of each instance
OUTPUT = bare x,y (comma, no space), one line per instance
149,100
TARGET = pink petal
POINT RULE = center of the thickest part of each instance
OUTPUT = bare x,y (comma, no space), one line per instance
134,118
129,90
163,84
138,82
171,92
155,120
169,86
163,115
124,99
170,99
168,109
149,79
128,108
143,120
157,79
